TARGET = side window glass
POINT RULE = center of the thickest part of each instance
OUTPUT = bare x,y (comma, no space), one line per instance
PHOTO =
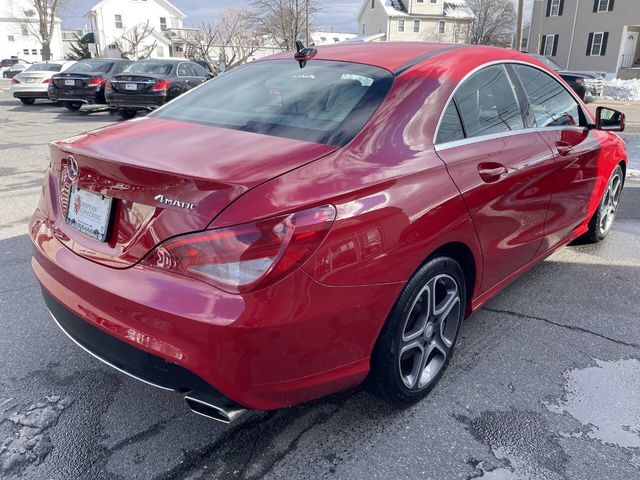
183,71
488,103
552,105
199,71
450,127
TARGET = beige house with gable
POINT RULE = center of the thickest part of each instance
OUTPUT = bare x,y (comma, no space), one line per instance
411,20
588,35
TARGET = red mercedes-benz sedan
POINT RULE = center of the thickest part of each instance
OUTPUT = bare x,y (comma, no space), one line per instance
299,223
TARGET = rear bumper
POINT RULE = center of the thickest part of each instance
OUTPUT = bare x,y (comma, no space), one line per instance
292,342
24,93
129,360
136,101
88,96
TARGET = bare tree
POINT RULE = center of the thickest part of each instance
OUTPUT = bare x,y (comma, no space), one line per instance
230,40
285,21
493,23
131,41
39,16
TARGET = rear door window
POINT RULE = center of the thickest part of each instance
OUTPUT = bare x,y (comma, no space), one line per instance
324,102
488,103
551,103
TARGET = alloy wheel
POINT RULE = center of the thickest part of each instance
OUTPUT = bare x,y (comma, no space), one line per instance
429,332
609,203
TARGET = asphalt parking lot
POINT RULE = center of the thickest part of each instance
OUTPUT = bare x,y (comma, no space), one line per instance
544,385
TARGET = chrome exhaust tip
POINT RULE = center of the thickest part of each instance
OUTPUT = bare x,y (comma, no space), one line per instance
206,406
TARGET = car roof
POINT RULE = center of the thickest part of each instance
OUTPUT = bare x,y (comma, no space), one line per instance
396,56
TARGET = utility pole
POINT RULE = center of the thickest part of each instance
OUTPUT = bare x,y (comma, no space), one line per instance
518,45
306,8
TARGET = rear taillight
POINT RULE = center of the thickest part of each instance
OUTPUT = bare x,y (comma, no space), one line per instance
15,80
96,81
245,257
46,80
108,86
160,86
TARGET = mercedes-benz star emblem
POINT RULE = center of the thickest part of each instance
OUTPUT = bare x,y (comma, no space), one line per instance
73,170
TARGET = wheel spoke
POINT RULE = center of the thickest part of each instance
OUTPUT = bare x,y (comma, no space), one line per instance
449,325
415,363
418,315
451,293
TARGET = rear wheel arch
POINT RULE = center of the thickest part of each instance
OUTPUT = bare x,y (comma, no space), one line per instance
462,254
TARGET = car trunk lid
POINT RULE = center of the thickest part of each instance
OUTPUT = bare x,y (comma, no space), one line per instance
165,178
69,81
133,84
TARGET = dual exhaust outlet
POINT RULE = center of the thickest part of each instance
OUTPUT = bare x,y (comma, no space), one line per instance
214,409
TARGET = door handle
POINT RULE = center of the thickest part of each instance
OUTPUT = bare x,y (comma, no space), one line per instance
564,148
492,172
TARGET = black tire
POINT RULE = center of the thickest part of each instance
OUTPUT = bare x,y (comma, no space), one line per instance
27,100
127,113
393,356
74,106
602,219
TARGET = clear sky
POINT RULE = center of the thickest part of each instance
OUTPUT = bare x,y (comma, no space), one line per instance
339,14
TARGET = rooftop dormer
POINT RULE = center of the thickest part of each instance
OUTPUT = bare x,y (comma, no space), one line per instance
424,7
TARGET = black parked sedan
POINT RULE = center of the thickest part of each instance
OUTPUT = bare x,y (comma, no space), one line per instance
148,84
583,83
84,82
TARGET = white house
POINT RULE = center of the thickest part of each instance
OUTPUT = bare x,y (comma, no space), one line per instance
411,20
18,20
328,38
113,21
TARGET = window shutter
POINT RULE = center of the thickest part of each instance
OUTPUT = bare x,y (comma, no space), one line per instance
595,6
548,7
561,9
542,43
611,2
555,45
589,44
603,50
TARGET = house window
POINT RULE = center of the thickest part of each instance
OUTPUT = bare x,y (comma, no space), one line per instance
373,4
159,51
416,26
598,44
163,23
25,51
11,38
419,1
433,2
603,5
363,28
549,41
24,30
34,51
401,25
554,11
441,26
118,22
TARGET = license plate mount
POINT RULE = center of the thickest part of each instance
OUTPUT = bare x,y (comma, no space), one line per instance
70,83
130,86
89,213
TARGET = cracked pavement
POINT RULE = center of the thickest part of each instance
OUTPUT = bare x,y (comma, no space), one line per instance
544,384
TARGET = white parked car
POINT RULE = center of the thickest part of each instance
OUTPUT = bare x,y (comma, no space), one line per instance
33,82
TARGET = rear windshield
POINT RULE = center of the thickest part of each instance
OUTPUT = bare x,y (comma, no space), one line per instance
144,68
90,66
44,67
324,102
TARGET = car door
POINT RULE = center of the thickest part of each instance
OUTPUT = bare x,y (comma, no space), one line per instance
564,126
502,169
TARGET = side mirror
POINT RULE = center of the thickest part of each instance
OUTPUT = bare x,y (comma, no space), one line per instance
609,120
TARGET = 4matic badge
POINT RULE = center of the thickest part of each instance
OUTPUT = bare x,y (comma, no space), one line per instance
175,203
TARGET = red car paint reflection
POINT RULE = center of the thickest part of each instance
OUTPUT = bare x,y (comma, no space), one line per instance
500,202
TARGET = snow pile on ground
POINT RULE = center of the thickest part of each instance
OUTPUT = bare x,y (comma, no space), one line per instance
628,90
